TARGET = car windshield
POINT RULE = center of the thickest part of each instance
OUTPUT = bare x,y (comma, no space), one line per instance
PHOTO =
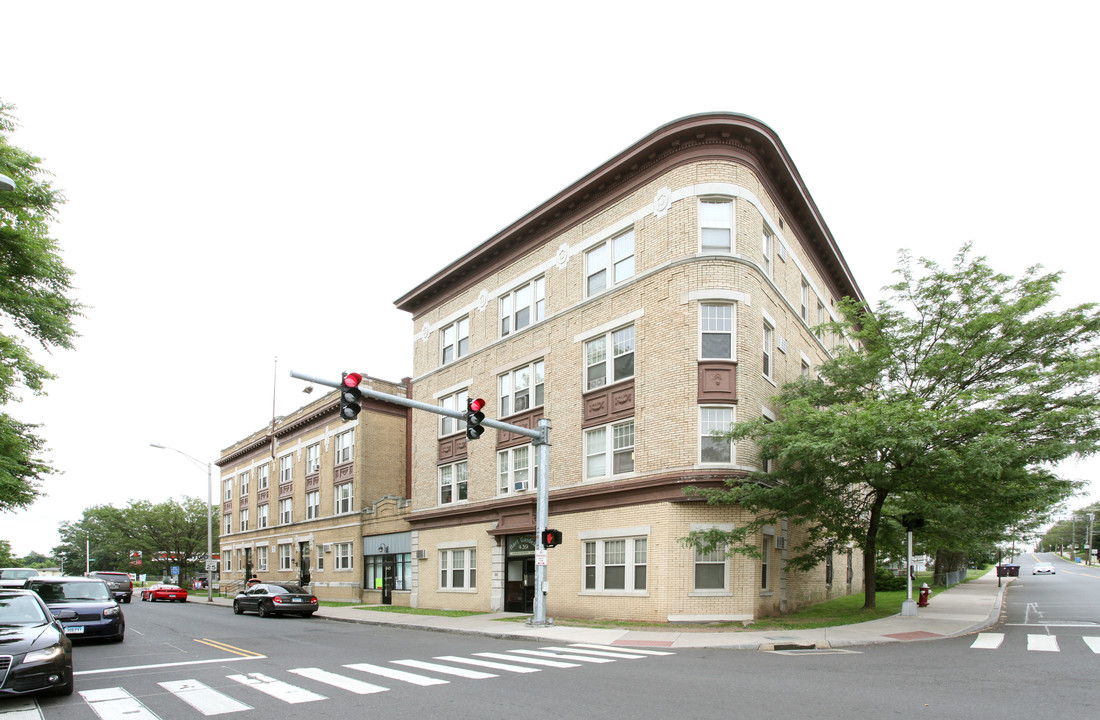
63,592
16,574
20,610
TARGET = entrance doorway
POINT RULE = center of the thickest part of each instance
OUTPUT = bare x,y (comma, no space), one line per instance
389,566
519,581
303,564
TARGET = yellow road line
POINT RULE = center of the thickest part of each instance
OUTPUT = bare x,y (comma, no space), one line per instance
228,648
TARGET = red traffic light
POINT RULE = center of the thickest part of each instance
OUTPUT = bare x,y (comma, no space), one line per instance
353,379
476,405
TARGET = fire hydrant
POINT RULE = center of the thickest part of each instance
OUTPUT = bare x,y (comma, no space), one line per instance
923,601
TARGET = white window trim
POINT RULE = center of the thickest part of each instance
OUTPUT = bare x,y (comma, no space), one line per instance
350,556
608,452
725,591
699,435
510,375
336,499
455,500
609,267
609,358
338,446
508,300
532,470
288,556
600,538
733,330
468,549
707,198
313,465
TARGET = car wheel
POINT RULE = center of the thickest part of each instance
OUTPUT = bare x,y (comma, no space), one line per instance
264,611
237,608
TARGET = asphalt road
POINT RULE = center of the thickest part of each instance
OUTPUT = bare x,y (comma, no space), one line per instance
190,661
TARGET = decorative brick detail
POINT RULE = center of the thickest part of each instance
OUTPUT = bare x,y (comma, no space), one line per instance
227,506
244,502
452,449
529,419
607,404
343,473
286,490
313,482
261,496
717,382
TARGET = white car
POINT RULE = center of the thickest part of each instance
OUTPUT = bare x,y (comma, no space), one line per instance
1043,569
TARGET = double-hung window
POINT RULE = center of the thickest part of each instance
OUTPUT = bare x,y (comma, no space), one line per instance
243,482
609,450
342,556
522,388
455,340
767,247
714,448
710,569
716,225
286,468
345,444
449,425
227,487
517,470
768,354
244,519
523,306
313,504
609,358
452,483
610,263
262,476
716,332
228,524
261,558
615,564
765,561
261,516
458,569
284,556
286,511
313,458
344,498
804,307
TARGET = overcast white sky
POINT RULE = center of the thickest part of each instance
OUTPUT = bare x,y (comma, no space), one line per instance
253,180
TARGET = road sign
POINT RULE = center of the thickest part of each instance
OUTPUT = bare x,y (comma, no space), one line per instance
211,566
175,570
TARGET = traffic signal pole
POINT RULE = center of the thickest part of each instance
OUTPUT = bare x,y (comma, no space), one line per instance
540,439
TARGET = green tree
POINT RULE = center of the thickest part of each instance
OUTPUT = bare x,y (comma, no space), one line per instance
6,559
967,388
34,308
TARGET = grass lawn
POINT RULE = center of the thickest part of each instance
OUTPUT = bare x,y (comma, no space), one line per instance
416,611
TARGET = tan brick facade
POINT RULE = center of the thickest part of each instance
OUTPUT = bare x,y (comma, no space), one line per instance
628,434
343,492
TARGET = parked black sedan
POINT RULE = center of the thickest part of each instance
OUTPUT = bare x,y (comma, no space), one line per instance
83,605
276,599
35,654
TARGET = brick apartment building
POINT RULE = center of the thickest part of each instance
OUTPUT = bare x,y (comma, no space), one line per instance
667,294
310,501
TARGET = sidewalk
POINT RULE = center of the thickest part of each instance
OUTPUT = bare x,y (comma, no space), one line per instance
959,610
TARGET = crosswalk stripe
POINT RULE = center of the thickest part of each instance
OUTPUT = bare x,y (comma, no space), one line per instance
532,661
395,674
562,656
599,653
340,681
277,688
1093,643
115,703
988,641
24,708
487,664
203,698
638,651
1042,643
445,669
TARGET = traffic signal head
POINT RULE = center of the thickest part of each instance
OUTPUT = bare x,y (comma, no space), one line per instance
551,538
349,396
474,416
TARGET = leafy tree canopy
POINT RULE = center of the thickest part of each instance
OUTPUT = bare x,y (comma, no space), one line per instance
966,390
35,308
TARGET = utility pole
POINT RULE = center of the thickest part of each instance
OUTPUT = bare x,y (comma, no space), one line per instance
541,441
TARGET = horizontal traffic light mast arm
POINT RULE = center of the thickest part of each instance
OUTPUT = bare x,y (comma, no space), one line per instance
416,404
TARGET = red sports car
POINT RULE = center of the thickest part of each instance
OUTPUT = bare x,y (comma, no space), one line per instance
162,591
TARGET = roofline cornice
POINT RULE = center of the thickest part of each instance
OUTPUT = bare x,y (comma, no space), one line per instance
689,139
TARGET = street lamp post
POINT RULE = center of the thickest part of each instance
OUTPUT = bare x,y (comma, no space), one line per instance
209,512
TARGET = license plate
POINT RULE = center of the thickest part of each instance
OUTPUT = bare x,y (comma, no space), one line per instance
295,599
74,629
173,597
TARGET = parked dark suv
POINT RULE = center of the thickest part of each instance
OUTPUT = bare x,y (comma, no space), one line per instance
119,583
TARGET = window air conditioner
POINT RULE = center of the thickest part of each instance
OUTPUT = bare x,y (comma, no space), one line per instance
523,485
780,543
327,547
421,555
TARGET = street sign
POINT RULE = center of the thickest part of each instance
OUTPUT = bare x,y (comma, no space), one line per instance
540,556
211,566
175,570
